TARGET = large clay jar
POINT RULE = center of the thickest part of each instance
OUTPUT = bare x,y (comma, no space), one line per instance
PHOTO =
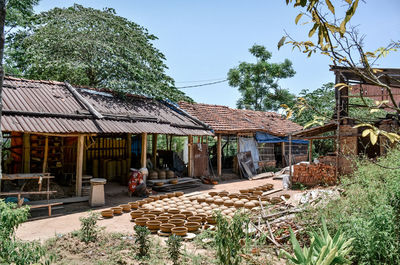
153,175
162,174
170,174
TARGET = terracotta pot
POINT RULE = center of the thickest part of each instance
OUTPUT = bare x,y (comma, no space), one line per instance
238,204
179,193
244,191
203,216
195,218
275,200
136,214
287,196
163,196
179,231
173,181
201,199
192,226
187,213
228,203
166,228
166,215
213,193
178,216
209,200
125,207
162,174
173,211
257,192
219,201
170,174
269,186
153,224
141,221
148,200
162,219
153,175
233,195
134,205
154,197
211,220
243,196
141,202
253,197
170,194
264,198
150,216
145,210
249,205
117,210
177,222
107,213
223,193
156,212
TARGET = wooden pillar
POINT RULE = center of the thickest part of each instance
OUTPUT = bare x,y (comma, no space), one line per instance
283,154
27,152
84,159
46,154
79,165
290,161
190,156
154,152
144,150
310,151
129,150
219,155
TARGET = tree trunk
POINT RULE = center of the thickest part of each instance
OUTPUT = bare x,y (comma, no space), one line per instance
2,40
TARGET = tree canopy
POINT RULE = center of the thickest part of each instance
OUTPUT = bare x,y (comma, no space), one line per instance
97,48
258,82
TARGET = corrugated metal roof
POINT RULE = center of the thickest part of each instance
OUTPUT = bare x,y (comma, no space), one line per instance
49,107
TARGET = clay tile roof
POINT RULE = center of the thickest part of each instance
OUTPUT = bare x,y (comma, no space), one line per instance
228,120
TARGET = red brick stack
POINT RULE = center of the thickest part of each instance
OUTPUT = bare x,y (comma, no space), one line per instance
314,174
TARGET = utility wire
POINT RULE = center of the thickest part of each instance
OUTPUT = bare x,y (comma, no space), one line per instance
206,84
200,81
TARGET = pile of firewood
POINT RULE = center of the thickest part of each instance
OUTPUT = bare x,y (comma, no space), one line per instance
314,174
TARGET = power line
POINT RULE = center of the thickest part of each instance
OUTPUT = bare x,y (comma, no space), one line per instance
206,84
199,81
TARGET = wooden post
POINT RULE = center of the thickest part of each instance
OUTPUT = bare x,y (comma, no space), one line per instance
190,156
154,152
290,161
219,155
283,154
129,150
46,153
79,165
27,152
144,150
310,151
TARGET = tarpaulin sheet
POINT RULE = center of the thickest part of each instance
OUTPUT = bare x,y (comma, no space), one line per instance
249,144
263,137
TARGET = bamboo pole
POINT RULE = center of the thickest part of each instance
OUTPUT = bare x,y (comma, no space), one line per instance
79,165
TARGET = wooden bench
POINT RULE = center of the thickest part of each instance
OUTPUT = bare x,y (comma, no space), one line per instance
48,205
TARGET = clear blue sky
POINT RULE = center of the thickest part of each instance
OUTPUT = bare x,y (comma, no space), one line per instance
202,40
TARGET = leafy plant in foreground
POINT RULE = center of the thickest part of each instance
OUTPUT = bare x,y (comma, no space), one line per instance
323,250
142,235
89,229
174,248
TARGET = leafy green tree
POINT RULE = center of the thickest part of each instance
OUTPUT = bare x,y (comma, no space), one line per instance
258,82
93,47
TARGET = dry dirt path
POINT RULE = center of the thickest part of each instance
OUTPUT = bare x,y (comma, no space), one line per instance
46,228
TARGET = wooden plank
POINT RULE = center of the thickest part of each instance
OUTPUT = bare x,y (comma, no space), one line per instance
219,155
79,165
154,150
271,192
143,155
27,176
27,193
27,152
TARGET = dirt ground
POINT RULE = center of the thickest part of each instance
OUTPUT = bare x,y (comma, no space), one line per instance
115,195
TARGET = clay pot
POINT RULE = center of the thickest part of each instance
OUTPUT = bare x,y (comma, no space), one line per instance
257,192
203,216
134,205
192,226
219,201
269,186
213,193
287,196
238,204
179,193
156,212
179,231
170,174
177,222
162,174
233,195
150,216
163,196
249,205
264,198
166,215
173,181
223,193
154,197
252,197
201,199
107,213
125,207
242,196
209,200
136,214
166,228
141,202
153,175
275,200
187,213
173,211
244,191
211,220
178,216
228,203
117,210
145,210
251,190
141,221
148,200
195,218
170,194
153,224
162,219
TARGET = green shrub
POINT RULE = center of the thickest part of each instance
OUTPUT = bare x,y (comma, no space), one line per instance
368,210
142,240
323,249
229,237
13,251
89,229
174,244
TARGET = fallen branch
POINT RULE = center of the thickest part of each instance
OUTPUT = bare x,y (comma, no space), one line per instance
282,213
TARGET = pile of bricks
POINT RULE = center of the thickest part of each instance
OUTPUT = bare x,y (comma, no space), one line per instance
314,174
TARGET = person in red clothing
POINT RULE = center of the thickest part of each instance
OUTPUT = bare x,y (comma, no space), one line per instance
137,182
